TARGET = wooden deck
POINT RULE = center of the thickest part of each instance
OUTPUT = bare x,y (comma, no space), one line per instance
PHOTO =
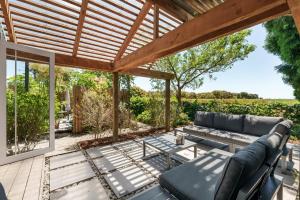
22,180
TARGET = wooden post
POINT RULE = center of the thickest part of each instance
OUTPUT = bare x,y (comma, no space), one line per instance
156,22
167,105
115,105
294,6
77,95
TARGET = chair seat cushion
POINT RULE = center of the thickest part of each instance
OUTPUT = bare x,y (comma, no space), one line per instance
197,130
204,119
259,125
229,122
195,179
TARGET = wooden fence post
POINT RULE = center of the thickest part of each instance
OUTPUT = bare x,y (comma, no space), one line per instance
115,105
167,105
77,95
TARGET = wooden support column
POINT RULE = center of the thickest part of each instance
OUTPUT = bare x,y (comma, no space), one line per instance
294,6
77,95
156,22
115,105
167,105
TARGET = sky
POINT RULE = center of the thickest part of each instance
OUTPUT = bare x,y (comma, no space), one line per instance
255,74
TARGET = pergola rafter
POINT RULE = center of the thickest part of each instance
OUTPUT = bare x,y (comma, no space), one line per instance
8,20
80,26
219,21
124,36
144,11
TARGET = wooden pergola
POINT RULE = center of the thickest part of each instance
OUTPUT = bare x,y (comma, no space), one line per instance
126,36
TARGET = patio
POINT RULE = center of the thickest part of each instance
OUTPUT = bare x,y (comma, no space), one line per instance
114,171
119,37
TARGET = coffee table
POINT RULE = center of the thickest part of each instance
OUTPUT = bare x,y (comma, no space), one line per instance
166,144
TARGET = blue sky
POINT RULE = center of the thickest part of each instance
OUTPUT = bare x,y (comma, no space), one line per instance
255,74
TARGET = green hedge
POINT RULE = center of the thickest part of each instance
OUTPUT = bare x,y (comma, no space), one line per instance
145,110
291,112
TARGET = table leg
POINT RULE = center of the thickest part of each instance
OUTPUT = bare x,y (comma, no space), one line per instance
232,148
168,161
195,151
280,193
144,149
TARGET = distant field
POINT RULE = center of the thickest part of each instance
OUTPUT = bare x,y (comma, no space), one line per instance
251,101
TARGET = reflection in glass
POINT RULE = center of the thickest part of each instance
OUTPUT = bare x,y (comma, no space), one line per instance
27,100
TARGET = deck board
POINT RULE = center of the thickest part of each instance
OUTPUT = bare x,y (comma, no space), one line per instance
8,179
33,187
18,188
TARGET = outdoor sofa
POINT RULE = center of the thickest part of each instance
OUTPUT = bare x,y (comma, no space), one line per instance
235,130
221,175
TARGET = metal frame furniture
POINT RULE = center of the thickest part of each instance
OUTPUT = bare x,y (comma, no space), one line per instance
166,144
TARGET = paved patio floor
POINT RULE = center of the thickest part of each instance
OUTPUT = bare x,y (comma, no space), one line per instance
111,172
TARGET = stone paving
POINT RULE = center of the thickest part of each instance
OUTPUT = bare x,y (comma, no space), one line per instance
116,171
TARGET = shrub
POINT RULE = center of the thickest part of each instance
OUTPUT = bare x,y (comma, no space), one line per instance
145,117
32,113
180,119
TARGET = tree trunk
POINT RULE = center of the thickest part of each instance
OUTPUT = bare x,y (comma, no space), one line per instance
178,97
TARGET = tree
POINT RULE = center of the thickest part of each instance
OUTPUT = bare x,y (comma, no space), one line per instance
283,40
191,66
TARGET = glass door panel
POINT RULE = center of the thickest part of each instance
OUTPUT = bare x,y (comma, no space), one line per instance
27,102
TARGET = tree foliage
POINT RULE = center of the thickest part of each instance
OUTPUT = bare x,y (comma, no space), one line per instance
191,66
283,40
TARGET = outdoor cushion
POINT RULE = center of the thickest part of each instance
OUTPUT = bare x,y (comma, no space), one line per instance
238,170
197,130
204,119
2,193
283,128
259,125
229,122
195,179
228,136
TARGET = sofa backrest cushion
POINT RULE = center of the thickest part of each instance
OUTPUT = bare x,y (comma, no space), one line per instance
229,122
204,119
283,128
259,125
276,140
239,169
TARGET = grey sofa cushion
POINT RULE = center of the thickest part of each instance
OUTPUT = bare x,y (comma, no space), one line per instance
259,125
276,140
195,179
2,193
229,122
283,128
204,119
239,169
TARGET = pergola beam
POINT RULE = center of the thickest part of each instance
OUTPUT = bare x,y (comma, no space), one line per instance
175,11
89,64
82,15
227,18
294,6
8,20
149,73
135,26
82,63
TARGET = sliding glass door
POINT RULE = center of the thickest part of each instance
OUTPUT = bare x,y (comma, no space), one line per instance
26,101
